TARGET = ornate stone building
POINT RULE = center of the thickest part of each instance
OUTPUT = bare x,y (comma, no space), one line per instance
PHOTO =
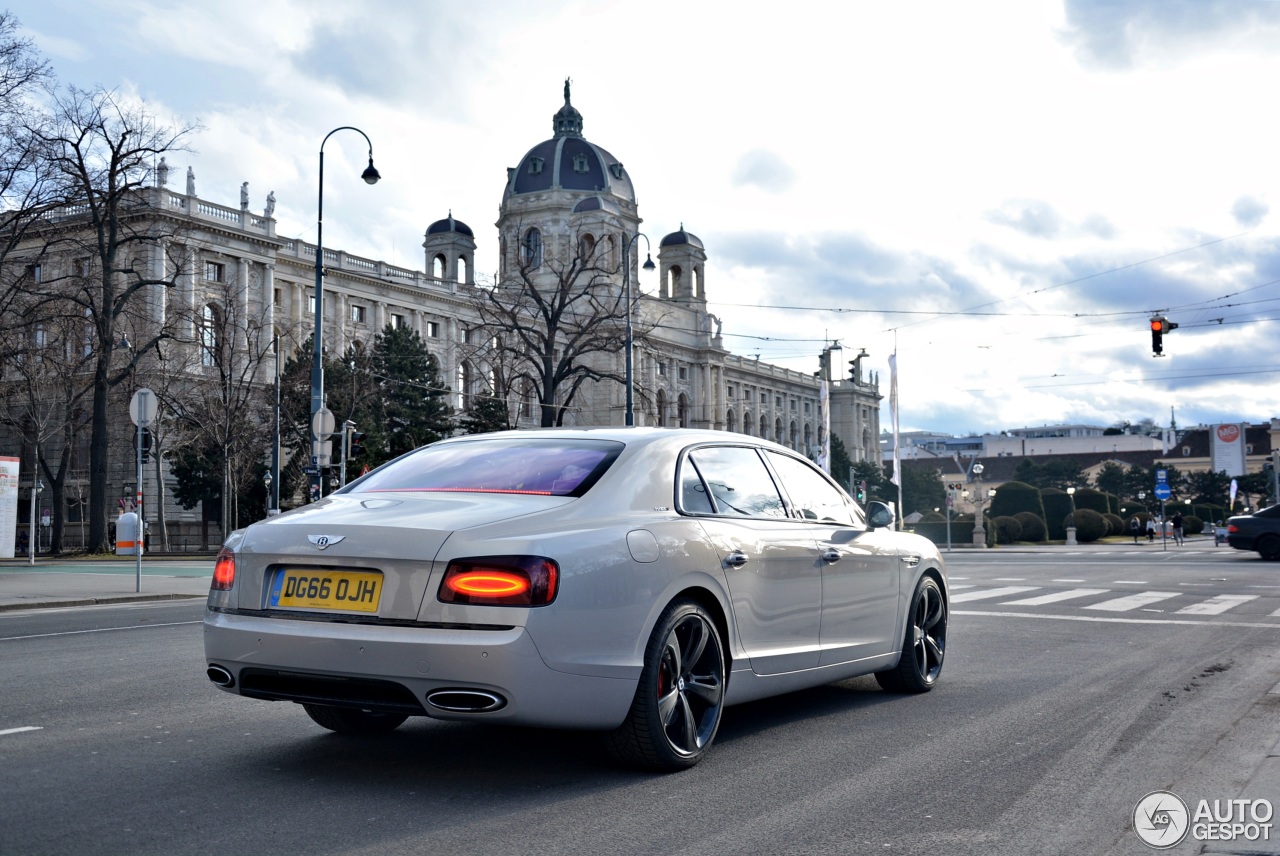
230,261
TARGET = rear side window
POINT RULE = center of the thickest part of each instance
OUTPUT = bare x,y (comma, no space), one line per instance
518,465
738,482
812,496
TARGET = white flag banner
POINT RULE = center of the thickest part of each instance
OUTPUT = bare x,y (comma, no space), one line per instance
824,421
893,417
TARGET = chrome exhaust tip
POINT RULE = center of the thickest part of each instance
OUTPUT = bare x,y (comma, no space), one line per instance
221,677
466,701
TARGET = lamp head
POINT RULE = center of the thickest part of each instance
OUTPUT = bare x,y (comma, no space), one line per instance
648,262
370,174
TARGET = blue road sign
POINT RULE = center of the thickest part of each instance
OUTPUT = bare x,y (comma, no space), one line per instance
1163,492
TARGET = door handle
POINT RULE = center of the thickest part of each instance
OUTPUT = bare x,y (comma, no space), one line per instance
736,559
830,555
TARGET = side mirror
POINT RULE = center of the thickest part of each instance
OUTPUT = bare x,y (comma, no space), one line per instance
879,515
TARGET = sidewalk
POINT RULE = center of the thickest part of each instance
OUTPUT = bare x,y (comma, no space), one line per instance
55,582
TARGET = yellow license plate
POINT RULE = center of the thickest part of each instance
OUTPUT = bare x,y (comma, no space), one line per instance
334,591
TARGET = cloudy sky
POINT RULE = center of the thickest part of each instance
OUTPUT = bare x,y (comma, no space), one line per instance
1002,192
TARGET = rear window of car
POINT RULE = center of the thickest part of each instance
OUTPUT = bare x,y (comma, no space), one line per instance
517,465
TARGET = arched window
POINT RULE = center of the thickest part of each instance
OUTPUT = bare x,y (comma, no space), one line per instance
778,436
730,421
662,409
587,249
531,249
462,268
747,425
682,411
674,275
610,249
794,437
439,267
764,427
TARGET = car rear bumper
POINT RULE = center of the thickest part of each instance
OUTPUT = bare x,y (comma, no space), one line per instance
394,668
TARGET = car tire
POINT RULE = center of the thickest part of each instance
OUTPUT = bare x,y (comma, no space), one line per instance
348,720
680,698
924,645
1269,548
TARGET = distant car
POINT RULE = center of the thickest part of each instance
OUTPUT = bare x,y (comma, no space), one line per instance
635,581
1259,531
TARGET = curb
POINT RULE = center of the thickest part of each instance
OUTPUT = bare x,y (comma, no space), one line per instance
95,601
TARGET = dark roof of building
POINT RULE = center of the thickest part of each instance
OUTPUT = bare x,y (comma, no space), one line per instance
568,161
681,237
449,224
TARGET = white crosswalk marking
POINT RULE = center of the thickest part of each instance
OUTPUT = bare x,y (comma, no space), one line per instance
953,588
1054,597
1133,601
1217,605
984,594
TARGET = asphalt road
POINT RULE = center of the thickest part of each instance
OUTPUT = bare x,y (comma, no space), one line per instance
1052,720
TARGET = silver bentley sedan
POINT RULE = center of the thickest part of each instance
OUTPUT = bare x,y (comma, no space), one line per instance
631,580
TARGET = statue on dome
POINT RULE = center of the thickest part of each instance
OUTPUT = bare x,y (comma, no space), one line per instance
566,90
191,181
271,204
244,196
162,173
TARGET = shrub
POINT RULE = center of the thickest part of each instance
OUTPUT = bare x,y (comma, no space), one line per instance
1014,497
1116,524
1192,525
1008,529
1057,506
1033,528
1090,525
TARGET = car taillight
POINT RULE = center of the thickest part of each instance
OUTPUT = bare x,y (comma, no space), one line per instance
1231,527
224,572
500,581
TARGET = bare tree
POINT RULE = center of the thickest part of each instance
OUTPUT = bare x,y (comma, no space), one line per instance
108,225
555,323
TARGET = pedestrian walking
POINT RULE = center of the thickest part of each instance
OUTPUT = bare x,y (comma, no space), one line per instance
1135,528
22,543
1176,520
1151,529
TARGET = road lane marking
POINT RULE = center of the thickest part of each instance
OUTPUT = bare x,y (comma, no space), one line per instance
963,586
1129,582
1068,581
983,594
1054,597
1108,620
96,630
1009,580
20,730
1216,605
1133,601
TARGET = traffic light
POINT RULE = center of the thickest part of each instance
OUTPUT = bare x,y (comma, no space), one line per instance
862,491
357,444
146,445
1159,326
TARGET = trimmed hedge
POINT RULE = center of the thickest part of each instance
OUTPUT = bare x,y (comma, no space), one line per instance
1007,529
1090,525
1033,528
1057,506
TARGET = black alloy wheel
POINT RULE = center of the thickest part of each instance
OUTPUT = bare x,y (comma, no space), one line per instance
925,644
676,712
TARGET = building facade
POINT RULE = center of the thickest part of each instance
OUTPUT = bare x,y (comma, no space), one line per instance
228,262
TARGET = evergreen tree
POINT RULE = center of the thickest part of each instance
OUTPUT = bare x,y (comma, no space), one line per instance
487,413
412,407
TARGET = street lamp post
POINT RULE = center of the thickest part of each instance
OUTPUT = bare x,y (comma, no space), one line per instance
273,476
1071,521
630,418
370,176
979,532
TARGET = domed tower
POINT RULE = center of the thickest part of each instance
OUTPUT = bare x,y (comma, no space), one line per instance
567,197
450,247
682,263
